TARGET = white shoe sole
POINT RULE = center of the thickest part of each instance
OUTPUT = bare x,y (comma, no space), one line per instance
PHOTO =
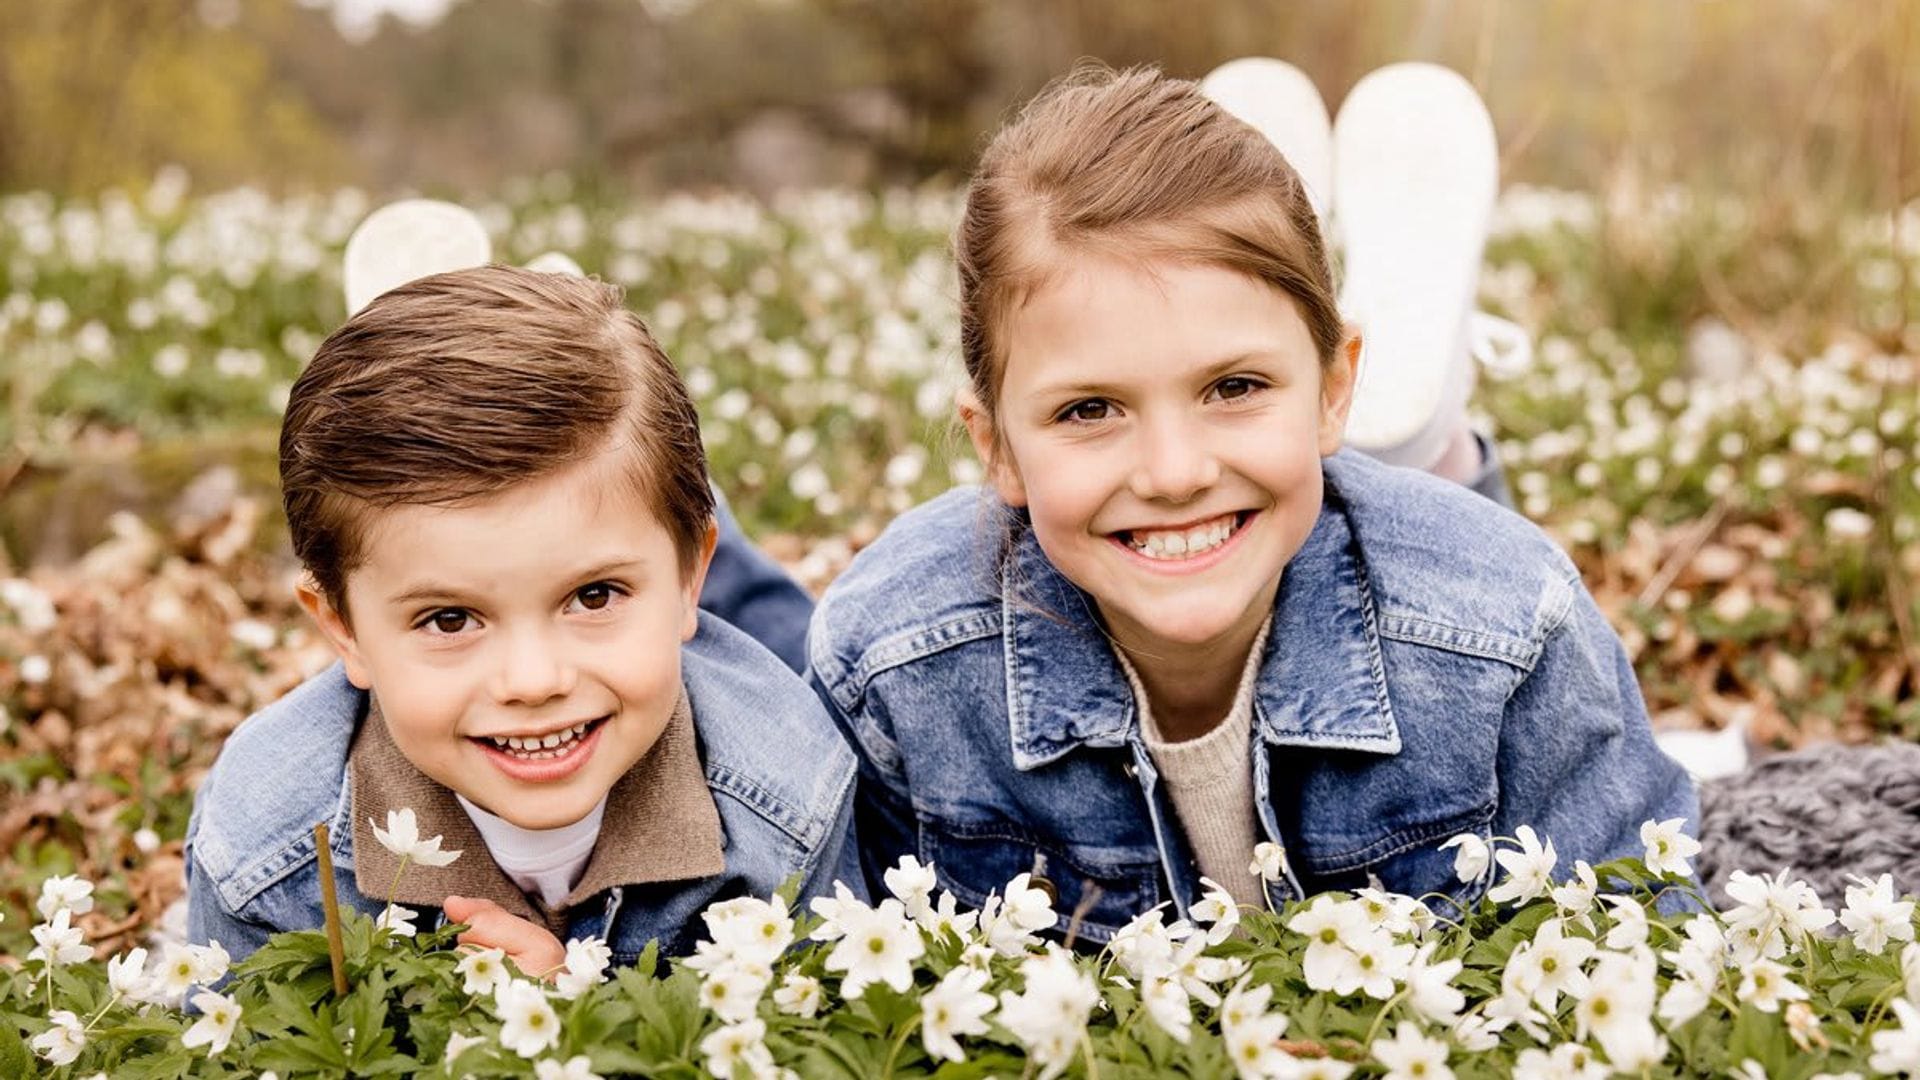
1279,101
1416,171
408,240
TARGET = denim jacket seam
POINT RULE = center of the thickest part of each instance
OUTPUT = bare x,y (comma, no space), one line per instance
1486,644
906,647
1404,840
241,885
800,825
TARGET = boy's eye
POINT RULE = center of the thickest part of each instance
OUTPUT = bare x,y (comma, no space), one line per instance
449,620
1088,411
595,596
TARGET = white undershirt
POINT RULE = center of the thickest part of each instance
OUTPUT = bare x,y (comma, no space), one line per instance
545,863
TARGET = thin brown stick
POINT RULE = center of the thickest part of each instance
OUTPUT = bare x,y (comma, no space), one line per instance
1684,554
330,901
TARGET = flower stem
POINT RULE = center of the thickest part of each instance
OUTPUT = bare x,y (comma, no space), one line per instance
330,904
1381,1017
900,1041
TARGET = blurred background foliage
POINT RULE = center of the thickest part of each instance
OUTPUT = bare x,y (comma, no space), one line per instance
1798,98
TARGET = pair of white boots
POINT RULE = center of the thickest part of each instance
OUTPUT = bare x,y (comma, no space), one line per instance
1404,181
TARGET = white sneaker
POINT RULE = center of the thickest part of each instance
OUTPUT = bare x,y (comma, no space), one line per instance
1416,171
1279,101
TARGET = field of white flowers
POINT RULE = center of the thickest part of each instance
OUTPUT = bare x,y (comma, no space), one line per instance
1728,453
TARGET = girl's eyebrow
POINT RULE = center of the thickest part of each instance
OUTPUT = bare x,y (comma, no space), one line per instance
1208,373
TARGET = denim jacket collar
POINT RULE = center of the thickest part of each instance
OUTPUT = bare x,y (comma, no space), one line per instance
1321,685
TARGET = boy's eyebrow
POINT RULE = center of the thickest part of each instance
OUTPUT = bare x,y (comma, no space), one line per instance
434,590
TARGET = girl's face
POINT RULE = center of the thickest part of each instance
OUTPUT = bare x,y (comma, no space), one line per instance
1163,424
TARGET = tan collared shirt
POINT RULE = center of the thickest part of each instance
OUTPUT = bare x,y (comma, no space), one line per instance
660,825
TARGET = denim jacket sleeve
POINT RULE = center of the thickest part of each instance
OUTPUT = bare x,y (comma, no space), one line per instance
208,918
1576,737
882,817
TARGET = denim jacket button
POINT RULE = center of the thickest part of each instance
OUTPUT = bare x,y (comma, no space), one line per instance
1045,885
1132,770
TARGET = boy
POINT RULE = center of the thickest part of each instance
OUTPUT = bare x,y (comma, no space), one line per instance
495,483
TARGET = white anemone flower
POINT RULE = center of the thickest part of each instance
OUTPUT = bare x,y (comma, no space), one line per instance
1874,916
61,1043
586,962
1269,862
955,1007
1430,989
800,995
1529,870
482,971
578,1067
1668,848
1684,999
1472,858
1409,1055
397,920
912,883
1630,928
402,837
738,1046
66,891
1049,1017
219,1017
1216,910
1896,1051
879,944
528,1025
58,943
733,992
1766,985
127,974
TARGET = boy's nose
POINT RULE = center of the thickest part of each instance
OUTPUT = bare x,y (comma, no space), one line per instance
1172,462
532,671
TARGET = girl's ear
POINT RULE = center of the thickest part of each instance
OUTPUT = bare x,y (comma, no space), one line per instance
1337,380
697,579
338,632
1000,469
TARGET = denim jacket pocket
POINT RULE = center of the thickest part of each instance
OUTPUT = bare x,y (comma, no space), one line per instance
1106,887
1408,860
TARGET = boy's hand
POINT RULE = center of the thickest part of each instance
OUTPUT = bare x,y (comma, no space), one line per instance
530,946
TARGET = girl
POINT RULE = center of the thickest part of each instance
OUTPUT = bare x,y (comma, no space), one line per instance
1180,621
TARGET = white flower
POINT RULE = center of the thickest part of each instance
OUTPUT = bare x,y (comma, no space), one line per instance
748,930
483,970
1804,1027
587,960
1472,859
1569,1061
1049,1017
1766,986
177,971
1777,902
1684,999
733,992
1026,907
1318,1069
1217,909
1269,862
458,1044
738,1046
832,910
1874,917
879,945
61,1043
1629,922
1169,1004
1253,1034
1616,1007
800,995
1668,848
397,920
953,1008
402,837
1331,926
1477,1033
1575,897
1898,1051
913,884
127,974
219,1016
944,916
1529,870
528,1025
578,1067
58,942
210,962
1555,962
1410,1055
1704,952
68,891
1430,989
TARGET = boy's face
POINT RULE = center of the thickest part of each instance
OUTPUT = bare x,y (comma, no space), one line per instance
551,615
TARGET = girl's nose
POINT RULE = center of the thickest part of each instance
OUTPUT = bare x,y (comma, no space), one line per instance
1173,463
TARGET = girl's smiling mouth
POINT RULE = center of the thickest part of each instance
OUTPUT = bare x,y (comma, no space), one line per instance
1186,547
539,759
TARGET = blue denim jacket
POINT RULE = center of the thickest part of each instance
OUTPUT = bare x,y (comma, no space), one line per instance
1435,666
781,779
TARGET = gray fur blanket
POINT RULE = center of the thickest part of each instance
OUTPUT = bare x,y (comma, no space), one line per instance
1823,812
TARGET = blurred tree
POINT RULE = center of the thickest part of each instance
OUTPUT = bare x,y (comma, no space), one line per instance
98,92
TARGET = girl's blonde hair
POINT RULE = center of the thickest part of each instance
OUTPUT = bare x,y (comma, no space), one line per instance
1134,165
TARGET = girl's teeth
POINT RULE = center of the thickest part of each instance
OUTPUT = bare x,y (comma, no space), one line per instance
1176,545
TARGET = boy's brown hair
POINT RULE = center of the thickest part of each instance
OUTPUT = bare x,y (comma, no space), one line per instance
458,386
1136,165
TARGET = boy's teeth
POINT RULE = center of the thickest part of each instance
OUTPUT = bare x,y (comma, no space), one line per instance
540,747
1181,543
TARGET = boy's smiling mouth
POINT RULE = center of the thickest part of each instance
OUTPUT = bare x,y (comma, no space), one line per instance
543,757
1183,542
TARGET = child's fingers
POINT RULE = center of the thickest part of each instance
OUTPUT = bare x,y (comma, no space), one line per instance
489,926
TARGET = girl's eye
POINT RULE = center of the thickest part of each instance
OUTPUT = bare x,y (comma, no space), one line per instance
1235,386
449,620
1085,412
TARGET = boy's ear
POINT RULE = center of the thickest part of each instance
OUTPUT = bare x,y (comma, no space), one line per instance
338,632
1000,471
697,578
1336,390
